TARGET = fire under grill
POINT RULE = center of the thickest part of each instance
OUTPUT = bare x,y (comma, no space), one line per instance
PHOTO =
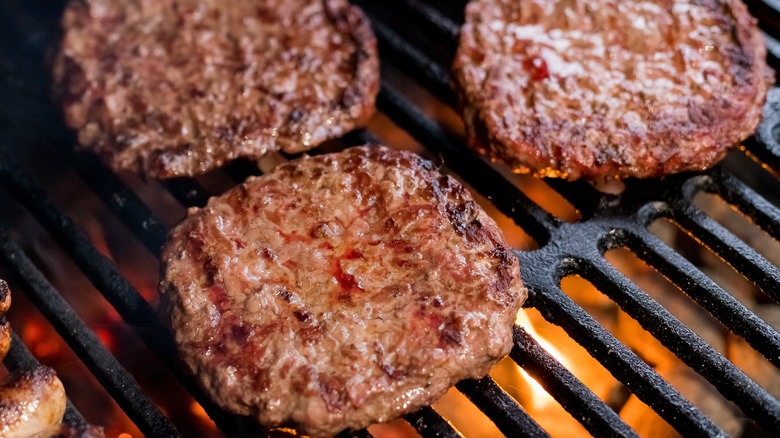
417,41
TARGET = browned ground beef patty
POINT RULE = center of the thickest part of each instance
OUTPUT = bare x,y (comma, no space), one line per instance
340,290
610,88
172,88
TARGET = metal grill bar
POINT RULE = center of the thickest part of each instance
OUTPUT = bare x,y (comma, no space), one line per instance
730,312
117,381
508,416
506,197
575,397
762,213
684,343
431,15
429,423
115,288
733,250
436,78
124,298
120,199
625,365
765,143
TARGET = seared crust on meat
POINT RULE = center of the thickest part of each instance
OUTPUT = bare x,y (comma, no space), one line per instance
5,326
5,298
339,291
609,88
32,404
5,337
173,88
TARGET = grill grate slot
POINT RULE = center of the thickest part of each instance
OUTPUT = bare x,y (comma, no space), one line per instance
506,197
686,345
122,201
733,250
508,416
625,365
429,423
575,397
730,312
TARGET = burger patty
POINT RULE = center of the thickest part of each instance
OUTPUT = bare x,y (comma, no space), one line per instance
173,88
610,88
339,291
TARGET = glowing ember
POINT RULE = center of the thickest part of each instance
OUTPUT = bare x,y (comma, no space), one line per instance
41,339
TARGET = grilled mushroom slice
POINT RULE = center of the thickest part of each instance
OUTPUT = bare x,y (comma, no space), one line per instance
32,403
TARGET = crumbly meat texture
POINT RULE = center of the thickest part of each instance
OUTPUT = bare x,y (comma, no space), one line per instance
339,291
175,88
5,298
609,88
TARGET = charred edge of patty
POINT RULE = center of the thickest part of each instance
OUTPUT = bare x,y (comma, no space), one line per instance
470,221
67,76
450,198
5,326
5,298
362,91
726,126
5,337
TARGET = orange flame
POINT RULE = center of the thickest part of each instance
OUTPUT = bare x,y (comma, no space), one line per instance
540,399
200,414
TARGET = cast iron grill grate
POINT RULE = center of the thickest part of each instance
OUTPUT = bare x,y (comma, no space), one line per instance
423,51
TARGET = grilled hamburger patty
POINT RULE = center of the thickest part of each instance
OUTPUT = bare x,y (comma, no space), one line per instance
609,88
173,88
339,291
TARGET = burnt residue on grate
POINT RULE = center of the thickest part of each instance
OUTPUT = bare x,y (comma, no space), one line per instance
28,122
